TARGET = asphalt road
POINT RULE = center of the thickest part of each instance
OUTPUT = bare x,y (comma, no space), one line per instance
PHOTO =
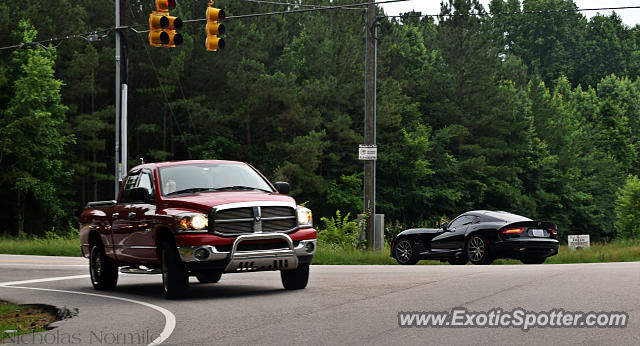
343,305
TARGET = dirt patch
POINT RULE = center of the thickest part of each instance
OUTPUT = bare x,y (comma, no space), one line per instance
30,318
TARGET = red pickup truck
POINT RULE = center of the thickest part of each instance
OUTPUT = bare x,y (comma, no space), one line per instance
197,218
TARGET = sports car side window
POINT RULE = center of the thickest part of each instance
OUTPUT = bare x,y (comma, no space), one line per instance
461,221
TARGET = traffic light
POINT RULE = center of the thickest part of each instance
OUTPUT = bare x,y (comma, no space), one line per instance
213,42
163,26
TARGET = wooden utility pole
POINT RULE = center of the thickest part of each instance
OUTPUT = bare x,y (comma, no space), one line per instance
370,122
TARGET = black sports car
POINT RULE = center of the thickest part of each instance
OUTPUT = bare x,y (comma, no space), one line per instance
479,236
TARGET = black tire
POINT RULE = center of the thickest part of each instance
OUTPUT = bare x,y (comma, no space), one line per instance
477,250
404,252
104,273
459,261
533,260
208,276
175,279
295,279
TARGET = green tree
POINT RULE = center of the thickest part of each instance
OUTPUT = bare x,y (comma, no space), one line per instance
31,144
628,208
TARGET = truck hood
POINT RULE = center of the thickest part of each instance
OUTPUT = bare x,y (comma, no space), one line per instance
207,200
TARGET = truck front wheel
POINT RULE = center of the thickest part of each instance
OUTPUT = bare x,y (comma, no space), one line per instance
295,279
104,273
208,276
175,279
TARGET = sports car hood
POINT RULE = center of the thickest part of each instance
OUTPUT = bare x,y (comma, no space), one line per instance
206,200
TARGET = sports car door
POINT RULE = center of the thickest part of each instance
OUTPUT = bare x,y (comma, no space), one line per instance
453,238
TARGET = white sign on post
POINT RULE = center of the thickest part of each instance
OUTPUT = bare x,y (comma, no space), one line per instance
367,152
579,241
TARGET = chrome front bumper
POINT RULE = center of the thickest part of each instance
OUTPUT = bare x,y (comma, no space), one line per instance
255,260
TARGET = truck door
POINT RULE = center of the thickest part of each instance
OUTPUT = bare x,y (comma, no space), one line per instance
121,225
140,245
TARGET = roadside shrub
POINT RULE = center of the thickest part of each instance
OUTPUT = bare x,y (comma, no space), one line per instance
340,231
391,230
628,208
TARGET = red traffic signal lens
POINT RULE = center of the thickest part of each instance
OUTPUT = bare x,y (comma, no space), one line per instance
222,15
165,5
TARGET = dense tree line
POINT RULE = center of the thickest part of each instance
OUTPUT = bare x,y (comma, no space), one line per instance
537,114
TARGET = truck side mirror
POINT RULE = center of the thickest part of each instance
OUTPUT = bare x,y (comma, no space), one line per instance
140,194
282,187
444,225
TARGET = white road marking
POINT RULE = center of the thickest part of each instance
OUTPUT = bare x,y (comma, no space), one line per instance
41,265
170,318
10,283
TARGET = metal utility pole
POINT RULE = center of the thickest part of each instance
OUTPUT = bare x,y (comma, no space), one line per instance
370,122
121,95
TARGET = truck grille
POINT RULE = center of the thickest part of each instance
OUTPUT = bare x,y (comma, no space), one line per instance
246,220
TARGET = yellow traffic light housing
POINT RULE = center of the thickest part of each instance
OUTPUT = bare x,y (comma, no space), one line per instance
163,26
213,42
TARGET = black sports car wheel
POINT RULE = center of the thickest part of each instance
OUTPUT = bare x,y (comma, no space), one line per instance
405,252
533,260
477,250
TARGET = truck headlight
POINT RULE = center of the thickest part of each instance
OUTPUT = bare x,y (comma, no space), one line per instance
304,217
191,222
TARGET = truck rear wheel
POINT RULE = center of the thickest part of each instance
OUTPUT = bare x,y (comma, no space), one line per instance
104,273
175,279
295,279
208,276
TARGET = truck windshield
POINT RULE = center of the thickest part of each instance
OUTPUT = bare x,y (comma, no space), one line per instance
194,178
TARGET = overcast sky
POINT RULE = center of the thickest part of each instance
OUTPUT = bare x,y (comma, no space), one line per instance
630,17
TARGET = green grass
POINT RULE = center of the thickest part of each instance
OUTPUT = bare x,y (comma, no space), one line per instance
50,246
622,250
333,254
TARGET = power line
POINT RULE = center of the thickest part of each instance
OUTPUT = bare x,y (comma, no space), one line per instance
89,36
567,10
294,4
96,35
164,93
325,8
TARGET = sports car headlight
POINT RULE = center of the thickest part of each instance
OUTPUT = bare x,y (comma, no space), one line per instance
191,222
304,217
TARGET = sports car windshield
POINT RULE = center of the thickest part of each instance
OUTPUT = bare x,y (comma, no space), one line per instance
205,177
